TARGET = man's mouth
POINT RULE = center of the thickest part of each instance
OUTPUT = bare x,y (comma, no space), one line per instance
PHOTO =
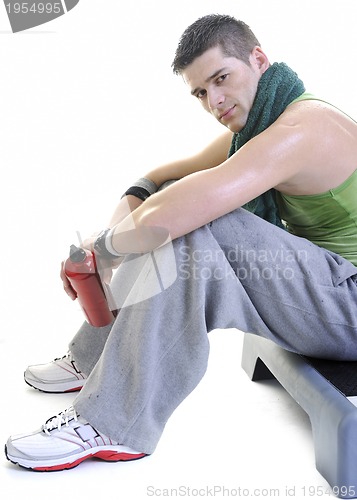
226,114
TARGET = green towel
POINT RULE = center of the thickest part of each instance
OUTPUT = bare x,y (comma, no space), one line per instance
277,88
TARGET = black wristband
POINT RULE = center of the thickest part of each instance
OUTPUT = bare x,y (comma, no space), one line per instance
139,192
100,246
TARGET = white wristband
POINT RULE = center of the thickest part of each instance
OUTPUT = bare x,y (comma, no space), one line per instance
109,244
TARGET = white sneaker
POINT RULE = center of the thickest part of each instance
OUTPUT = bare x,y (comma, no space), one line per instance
60,375
63,442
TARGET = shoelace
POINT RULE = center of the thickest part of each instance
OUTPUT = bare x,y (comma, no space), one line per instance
70,360
67,356
59,420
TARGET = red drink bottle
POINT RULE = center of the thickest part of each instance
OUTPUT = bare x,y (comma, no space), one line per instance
81,271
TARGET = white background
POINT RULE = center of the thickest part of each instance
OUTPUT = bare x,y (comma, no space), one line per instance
88,104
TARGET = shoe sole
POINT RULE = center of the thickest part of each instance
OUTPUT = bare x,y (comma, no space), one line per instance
58,391
105,455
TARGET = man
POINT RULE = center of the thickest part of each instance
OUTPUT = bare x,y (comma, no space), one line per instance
290,157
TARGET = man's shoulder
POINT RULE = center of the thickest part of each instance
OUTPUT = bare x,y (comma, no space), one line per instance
313,112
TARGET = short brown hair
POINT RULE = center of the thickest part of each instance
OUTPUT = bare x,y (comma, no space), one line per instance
234,37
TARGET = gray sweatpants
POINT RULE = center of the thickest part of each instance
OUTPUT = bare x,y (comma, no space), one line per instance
237,272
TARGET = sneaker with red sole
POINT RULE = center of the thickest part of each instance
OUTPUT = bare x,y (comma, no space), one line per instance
63,442
58,376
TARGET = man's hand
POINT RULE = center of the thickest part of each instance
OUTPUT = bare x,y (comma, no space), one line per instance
66,284
105,267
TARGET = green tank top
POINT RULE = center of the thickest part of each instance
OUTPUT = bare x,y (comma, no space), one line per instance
328,219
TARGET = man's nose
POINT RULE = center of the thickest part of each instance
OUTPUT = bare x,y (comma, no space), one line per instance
215,99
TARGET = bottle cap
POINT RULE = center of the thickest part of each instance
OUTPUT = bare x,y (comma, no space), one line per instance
77,254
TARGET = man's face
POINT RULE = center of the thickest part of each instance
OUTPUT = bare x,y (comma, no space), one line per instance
226,86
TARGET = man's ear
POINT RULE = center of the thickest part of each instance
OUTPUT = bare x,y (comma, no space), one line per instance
259,59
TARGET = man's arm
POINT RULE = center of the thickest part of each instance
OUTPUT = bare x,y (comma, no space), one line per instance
273,157
134,235
214,154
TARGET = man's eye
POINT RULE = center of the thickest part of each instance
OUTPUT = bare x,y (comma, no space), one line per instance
200,94
221,78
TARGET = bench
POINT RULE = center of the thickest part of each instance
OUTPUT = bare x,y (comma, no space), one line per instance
325,390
